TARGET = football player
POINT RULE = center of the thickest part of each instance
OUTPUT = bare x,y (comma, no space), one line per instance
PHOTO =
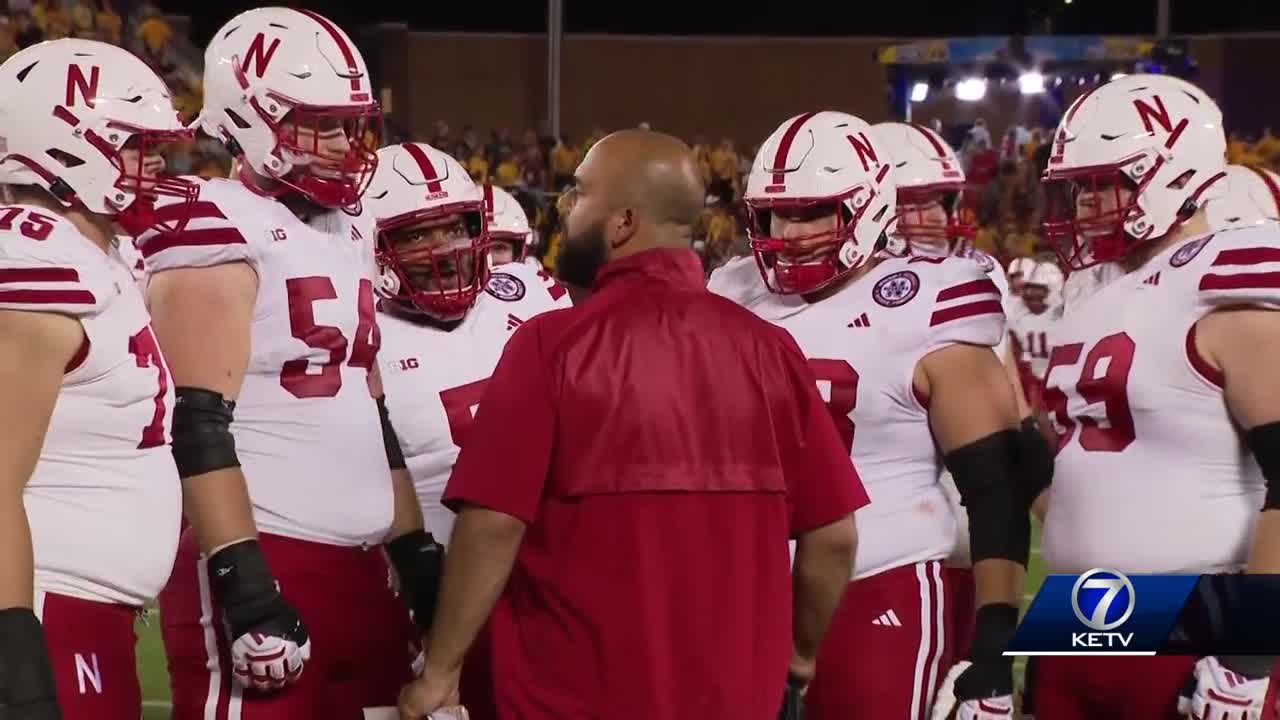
902,348
1252,197
91,500
1160,383
1031,325
1019,267
445,317
934,221
509,232
264,305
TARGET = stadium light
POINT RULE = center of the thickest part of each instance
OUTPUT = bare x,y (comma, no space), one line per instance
919,91
1030,83
971,89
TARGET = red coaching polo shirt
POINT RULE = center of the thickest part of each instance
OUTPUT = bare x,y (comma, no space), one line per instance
662,444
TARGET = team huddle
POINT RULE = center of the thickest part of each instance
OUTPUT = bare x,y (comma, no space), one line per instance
242,398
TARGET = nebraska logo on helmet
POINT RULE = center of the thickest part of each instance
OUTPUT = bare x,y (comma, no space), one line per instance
1161,117
866,153
257,56
88,88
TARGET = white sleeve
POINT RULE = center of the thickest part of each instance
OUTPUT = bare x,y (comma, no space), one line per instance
967,307
1245,270
211,237
63,273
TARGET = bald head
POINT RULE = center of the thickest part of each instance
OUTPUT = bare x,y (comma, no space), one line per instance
654,174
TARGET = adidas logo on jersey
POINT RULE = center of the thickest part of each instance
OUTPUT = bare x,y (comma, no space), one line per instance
513,322
1152,280
860,321
888,618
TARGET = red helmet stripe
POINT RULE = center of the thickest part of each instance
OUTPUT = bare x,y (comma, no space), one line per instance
937,146
1271,185
347,55
429,172
784,146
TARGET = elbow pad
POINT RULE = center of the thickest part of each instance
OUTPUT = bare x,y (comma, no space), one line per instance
395,456
985,474
202,440
1264,442
1035,461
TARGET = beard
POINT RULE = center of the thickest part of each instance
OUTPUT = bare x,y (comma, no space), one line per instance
581,256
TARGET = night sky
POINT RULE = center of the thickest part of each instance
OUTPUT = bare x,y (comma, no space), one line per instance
923,18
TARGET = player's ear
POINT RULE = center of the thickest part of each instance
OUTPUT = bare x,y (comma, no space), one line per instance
624,228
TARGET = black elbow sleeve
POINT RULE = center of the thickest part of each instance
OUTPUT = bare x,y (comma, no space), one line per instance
395,456
1264,442
202,440
1035,462
985,473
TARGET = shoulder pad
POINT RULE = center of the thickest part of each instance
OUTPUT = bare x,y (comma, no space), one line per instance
738,280
520,282
968,306
220,230
1240,267
46,265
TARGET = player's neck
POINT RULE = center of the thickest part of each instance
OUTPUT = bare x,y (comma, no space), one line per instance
1195,226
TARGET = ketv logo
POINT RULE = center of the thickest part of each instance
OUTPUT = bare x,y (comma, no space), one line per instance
1102,600
1102,612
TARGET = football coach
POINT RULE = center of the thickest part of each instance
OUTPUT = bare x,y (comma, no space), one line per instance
634,472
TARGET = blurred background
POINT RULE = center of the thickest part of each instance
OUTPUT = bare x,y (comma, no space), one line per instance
519,91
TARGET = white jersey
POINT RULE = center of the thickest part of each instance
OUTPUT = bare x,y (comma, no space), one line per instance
1152,475
104,501
863,344
306,427
434,379
1032,334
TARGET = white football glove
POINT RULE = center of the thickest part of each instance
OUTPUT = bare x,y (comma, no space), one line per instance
946,706
268,662
1221,694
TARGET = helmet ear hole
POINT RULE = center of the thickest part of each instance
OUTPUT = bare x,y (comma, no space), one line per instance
65,158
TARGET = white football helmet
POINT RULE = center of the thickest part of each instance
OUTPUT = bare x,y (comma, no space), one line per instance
85,121
1252,197
819,164
1131,160
508,223
933,209
1043,286
289,93
432,238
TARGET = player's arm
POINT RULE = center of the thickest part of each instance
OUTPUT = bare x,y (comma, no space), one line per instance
201,318
974,420
496,488
414,553
1243,343
34,353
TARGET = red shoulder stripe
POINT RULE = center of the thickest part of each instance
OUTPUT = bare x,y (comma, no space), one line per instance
191,238
973,287
47,297
1242,281
958,312
38,275
202,209
1247,256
